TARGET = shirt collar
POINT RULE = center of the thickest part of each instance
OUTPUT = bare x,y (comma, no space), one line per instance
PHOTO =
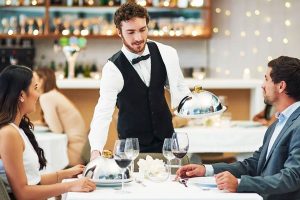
129,55
287,112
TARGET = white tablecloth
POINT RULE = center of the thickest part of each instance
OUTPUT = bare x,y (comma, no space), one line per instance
224,139
170,190
55,149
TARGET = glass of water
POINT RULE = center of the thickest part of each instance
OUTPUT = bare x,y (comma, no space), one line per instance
167,152
133,145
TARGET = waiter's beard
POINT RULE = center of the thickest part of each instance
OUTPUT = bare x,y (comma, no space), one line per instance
141,46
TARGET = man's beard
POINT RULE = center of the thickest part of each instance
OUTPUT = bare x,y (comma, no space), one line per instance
267,101
132,49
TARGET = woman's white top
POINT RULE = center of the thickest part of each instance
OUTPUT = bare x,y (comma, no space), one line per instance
30,160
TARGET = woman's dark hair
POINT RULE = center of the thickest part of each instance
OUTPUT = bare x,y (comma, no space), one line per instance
287,69
48,76
13,80
130,10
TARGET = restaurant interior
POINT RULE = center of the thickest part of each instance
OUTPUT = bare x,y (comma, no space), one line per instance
223,46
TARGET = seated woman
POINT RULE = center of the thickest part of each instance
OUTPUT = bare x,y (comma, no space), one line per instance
19,151
266,117
60,115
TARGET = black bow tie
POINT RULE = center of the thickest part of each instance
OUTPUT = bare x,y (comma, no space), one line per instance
138,59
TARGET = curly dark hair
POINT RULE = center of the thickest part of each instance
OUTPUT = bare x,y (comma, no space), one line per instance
13,80
128,11
287,69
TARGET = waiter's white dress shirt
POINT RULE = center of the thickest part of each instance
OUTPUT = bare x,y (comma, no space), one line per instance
112,83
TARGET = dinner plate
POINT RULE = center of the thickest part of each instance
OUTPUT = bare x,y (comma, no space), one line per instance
39,128
109,183
209,182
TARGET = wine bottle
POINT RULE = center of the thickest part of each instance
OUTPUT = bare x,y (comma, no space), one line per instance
53,65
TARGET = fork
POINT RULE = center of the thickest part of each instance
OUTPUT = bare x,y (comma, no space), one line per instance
183,181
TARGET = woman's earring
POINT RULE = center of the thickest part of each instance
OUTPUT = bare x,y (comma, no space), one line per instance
22,100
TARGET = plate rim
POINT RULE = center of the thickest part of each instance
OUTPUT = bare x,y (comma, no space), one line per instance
207,183
111,181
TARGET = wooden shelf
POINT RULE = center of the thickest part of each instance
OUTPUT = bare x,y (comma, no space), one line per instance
23,8
47,9
55,36
89,9
5,36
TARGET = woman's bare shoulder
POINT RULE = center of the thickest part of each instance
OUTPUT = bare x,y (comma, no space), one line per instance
9,132
10,140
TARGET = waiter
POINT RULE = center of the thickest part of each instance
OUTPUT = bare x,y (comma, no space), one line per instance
134,79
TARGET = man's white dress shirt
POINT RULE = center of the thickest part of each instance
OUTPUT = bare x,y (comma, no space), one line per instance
112,83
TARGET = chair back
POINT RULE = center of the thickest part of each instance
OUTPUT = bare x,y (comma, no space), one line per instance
3,192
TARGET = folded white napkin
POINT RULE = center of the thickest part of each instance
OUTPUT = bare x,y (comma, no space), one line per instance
150,166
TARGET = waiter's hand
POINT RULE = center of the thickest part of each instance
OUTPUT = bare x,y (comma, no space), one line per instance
226,181
95,154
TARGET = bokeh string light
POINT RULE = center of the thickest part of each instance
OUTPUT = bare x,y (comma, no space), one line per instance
248,34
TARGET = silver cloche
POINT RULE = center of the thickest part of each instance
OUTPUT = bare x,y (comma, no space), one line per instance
103,168
199,103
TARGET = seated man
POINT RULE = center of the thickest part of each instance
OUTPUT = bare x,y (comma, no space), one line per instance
274,170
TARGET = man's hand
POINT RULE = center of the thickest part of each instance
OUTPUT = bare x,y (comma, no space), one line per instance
226,181
95,154
191,170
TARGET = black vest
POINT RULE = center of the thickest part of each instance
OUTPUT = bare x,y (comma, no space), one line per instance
143,111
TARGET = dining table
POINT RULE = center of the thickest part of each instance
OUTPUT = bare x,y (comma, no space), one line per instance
240,137
167,190
55,146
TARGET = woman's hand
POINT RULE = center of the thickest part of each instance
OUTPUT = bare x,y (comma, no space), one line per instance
82,185
73,171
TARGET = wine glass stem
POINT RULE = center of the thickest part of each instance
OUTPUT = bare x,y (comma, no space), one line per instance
132,167
123,173
169,168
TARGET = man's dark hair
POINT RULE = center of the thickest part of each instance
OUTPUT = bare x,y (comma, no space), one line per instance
287,69
130,10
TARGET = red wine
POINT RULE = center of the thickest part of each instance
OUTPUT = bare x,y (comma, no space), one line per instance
179,154
123,163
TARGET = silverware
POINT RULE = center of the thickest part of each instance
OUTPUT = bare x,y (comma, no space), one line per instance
139,181
183,181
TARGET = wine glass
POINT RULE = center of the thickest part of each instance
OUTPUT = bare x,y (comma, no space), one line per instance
122,159
167,152
180,145
132,149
